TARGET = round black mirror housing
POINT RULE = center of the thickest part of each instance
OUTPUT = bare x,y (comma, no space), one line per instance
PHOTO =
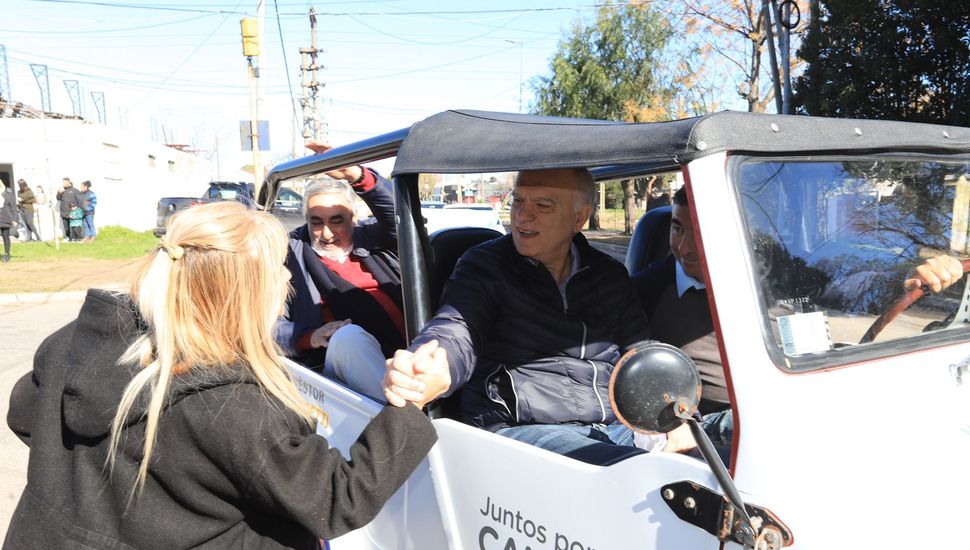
654,388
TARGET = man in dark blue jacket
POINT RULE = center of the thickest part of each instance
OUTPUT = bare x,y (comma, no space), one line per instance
531,325
345,314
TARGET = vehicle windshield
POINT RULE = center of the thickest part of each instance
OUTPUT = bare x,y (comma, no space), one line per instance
832,242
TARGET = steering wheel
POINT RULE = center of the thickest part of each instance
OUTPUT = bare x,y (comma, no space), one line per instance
898,307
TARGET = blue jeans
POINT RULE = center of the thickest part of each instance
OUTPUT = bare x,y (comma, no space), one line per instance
601,444
88,222
354,357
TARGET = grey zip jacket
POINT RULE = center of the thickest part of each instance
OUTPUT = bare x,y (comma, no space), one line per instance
524,352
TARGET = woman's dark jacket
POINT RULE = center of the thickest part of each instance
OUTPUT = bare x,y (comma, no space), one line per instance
67,196
231,468
375,244
8,212
528,353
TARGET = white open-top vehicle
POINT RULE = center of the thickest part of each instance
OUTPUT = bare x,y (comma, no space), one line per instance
850,431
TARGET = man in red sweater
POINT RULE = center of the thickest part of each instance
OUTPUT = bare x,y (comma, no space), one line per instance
345,314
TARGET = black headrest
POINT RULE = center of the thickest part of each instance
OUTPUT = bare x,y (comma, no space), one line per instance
447,246
651,239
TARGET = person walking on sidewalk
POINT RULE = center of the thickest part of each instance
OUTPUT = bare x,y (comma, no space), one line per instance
8,217
25,203
87,200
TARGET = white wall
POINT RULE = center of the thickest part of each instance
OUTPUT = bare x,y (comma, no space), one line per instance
118,165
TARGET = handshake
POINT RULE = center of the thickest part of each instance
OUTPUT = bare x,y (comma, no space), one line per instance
418,377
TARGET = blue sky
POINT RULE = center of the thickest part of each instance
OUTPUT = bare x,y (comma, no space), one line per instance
178,64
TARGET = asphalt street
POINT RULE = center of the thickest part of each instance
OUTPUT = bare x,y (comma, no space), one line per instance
22,329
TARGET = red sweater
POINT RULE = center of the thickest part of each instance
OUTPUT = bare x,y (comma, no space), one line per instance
354,273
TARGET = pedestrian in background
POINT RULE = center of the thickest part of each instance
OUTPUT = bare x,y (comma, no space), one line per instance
25,203
68,199
8,217
87,200
76,231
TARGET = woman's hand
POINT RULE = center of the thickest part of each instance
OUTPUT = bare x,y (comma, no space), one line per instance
418,377
349,173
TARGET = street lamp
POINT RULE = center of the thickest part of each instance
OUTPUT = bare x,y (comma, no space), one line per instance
519,42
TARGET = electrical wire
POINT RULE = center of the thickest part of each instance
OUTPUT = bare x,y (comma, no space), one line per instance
286,66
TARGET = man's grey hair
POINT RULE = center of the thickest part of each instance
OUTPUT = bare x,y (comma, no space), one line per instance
583,180
327,185
586,185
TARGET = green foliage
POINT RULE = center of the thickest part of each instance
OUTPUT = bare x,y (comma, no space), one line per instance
894,59
113,243
606,69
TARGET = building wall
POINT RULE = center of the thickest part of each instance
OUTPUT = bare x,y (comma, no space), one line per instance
129,175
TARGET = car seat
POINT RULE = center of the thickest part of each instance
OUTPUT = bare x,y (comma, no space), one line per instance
447,246
651,239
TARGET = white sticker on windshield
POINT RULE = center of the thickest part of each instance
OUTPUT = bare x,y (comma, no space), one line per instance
804,333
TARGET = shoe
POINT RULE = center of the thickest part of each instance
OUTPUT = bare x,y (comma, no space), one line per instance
5,259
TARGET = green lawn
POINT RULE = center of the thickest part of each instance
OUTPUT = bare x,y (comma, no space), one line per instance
113,243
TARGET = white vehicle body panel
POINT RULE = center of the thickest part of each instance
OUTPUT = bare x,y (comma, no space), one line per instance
835,453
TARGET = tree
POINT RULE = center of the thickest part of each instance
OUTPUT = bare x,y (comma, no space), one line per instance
733,30
896,59
606,70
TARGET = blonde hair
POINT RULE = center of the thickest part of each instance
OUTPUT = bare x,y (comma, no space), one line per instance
210,296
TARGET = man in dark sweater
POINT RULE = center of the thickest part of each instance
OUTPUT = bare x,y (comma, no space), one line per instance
671,290
531,325
674,297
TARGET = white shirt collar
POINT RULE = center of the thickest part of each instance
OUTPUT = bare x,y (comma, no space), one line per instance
685,282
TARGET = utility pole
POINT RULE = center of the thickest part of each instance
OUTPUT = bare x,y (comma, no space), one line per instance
73,92
250,36
311,86
98,99
4,76
40,74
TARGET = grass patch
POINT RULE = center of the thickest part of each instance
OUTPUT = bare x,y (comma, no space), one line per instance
113,243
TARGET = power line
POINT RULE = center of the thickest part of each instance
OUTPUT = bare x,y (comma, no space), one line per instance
337,13
99,30
286,66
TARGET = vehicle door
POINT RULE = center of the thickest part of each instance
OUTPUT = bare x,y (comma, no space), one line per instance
850,445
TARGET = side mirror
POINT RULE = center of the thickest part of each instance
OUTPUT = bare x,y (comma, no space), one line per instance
654,388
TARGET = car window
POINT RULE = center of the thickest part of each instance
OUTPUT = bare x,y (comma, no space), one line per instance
288,199
833,240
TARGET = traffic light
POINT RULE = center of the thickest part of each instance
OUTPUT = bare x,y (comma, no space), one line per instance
250,36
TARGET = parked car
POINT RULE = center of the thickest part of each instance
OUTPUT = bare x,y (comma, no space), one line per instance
840,441
439,215
217,191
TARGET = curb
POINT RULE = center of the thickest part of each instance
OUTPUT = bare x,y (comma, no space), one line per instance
41,297
35,298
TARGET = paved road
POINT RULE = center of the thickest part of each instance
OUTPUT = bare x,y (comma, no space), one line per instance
22,329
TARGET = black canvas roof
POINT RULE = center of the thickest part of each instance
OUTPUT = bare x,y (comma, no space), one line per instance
480,141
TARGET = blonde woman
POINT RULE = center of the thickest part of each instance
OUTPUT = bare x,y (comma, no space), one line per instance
166,419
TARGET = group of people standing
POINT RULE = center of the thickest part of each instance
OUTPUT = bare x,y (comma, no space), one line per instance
76,209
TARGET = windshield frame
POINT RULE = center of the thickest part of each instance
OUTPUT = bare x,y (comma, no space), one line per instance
836,357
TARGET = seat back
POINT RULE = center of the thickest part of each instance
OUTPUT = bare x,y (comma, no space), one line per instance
651,239
447,246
